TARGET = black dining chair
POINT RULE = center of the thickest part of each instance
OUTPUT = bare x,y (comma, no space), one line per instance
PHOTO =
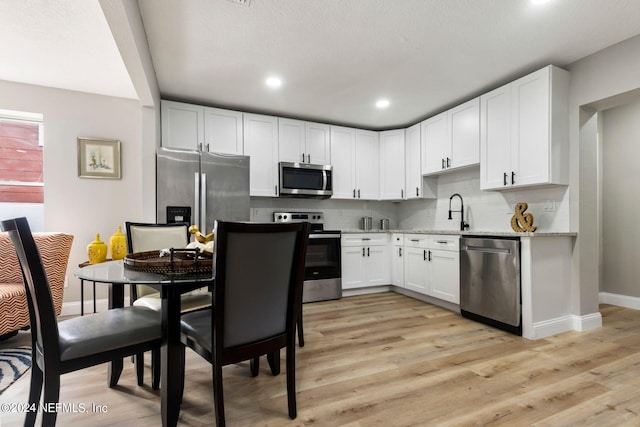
143,237
77,343
257,297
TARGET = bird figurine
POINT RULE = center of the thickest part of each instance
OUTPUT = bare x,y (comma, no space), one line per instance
202,238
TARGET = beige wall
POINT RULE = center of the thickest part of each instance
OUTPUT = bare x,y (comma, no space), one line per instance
610,73
620,201
82,206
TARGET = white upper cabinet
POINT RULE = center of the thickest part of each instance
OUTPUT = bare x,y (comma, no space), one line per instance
318,143
464,130
261,144
223,131
451,140
367,165
392,168
355,158
182,125
524,132
303,142
194,127
291,137
343,149
434,144
412,163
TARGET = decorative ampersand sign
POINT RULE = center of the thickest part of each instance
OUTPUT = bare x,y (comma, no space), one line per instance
522,221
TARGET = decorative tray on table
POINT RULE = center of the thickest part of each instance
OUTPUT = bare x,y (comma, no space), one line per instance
171,261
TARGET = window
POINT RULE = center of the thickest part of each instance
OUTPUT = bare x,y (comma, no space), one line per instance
21,167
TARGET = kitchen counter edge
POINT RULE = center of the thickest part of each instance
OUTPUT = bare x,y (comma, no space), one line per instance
468,233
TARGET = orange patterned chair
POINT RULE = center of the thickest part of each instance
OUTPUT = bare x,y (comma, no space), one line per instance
54,249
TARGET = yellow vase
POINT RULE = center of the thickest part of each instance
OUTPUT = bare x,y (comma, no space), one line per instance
118,244
97,250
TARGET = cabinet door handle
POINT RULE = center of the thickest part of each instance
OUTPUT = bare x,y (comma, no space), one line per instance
513,177
429,255
207,147
368,252
358,193
401,193
441,241
448,162
400,252
354,193
415,240
504,179
417,192
424,254
308,158
366,239
442,163
276,190
302,157
362,251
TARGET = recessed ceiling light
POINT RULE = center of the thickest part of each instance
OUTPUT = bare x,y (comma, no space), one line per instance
382,103
274,82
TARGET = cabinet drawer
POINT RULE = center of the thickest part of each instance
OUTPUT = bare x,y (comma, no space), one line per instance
416,240
365,239
445,243
397,239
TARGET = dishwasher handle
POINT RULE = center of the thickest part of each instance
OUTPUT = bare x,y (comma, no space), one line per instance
487,250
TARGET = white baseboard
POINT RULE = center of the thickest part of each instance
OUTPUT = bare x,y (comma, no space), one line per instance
566,323
619,300
364,291
73,308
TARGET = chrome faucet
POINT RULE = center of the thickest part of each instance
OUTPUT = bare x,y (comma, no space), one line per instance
463,224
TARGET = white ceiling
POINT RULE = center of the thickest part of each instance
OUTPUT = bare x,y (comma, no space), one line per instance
336,57
61,43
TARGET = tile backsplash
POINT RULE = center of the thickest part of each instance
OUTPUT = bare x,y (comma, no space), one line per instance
484,210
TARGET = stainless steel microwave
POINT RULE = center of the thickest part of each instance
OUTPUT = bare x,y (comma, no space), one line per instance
305,180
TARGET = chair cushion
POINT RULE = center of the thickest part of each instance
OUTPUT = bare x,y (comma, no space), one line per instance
197,325
188,301
113,329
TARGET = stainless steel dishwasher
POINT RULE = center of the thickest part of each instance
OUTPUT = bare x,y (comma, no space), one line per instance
490,281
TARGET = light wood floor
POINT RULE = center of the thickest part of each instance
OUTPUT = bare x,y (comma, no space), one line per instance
388,360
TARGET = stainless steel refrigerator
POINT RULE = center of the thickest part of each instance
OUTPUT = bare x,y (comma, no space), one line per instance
200,187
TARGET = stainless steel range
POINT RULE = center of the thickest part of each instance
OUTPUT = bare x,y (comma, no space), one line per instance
323,271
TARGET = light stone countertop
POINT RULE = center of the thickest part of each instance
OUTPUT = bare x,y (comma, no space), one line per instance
468,233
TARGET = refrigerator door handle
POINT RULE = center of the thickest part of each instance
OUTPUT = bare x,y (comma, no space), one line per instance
203,201
196,197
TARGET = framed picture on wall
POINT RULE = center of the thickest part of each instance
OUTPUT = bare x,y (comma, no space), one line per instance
98,158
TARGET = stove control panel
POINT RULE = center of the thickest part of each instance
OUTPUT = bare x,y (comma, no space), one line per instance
312,217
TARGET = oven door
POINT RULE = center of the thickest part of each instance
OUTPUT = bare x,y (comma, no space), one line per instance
323,257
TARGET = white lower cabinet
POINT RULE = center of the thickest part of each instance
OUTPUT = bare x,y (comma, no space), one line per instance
423,263
365,260
432,266
397,259
445,268
415,263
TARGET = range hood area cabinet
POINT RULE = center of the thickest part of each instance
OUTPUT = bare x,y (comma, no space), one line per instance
451,140
524,132
195,127
303,142
355,155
